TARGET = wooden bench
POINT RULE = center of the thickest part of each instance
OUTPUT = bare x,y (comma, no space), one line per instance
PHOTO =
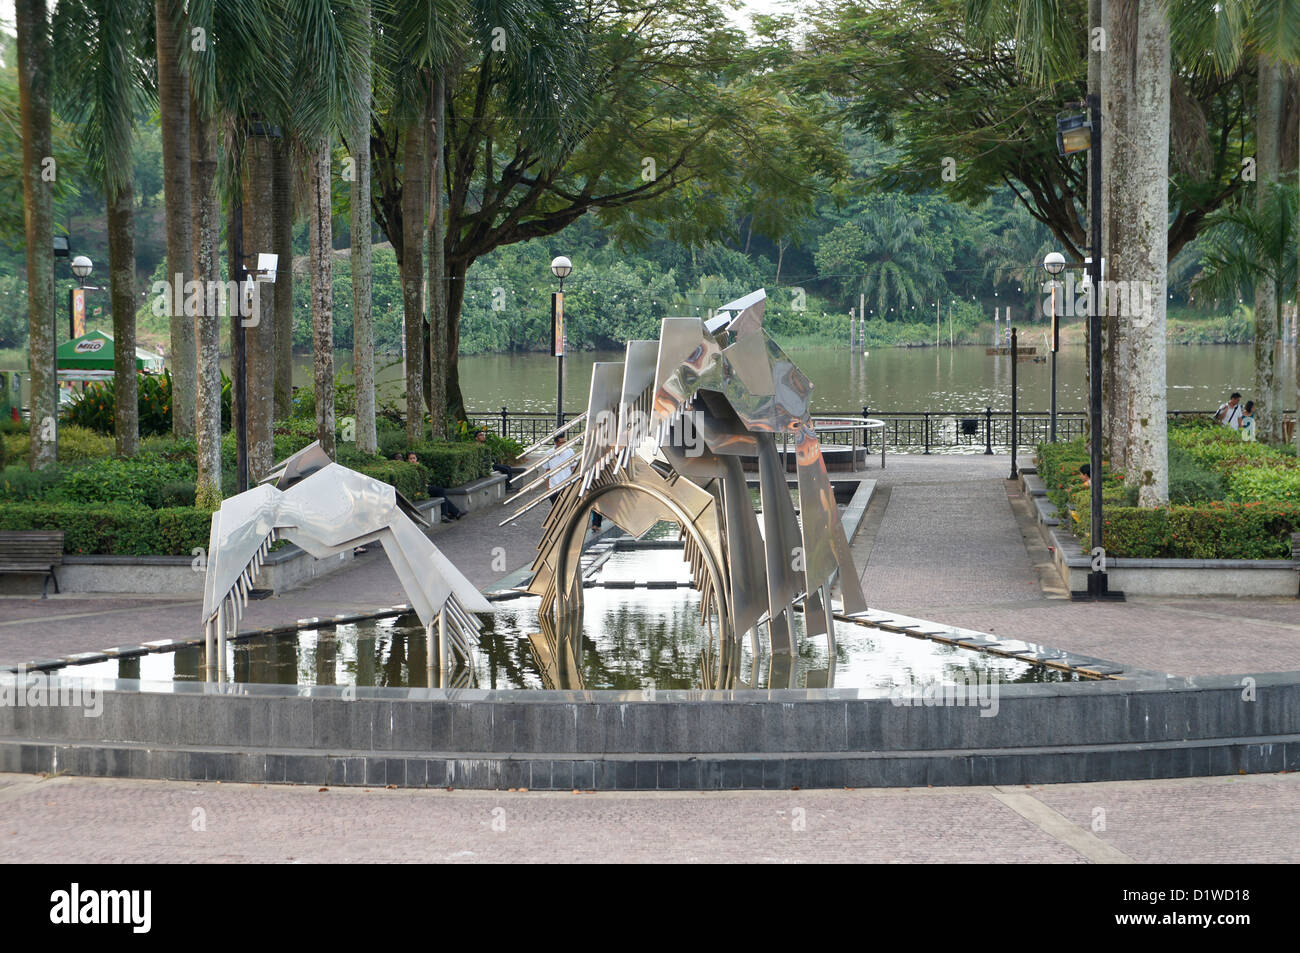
32,551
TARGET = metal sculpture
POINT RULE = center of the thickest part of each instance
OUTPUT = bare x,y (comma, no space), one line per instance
664,434
325,509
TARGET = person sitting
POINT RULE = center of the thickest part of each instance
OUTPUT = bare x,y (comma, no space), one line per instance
480,437
450,511
1247,424
1086,470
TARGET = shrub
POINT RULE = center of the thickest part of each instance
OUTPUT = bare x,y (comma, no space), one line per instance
1214,530
94,407
1189,482
454,464
411,480
76,444
113,528
1248,484
139,481
20,483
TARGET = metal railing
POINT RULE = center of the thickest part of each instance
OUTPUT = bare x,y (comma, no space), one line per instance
905,431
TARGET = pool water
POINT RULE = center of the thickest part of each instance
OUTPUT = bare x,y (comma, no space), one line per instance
625,639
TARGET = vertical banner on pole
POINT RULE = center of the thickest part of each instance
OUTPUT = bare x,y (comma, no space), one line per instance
78,313
557,324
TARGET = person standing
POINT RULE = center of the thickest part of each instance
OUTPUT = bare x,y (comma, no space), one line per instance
1247,425
1230,413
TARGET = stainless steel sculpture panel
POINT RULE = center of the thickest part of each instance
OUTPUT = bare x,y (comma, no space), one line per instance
326,509
664,435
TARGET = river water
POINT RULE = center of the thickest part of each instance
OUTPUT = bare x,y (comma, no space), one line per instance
943,379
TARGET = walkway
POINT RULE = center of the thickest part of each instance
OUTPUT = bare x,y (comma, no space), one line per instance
951,539
1254,818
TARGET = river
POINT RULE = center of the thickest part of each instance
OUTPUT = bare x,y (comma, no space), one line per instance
947,380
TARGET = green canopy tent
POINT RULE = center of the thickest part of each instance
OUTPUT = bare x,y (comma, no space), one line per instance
90,358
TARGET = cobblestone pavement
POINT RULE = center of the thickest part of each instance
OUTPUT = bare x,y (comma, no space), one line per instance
947,538
78,820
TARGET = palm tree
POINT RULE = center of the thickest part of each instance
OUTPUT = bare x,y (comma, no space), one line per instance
330,37
1269,32
226,60
363,344
174,116
102,50
34,75
1244,246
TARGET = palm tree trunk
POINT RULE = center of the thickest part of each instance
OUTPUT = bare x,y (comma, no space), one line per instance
282,239
1268,143
206,235
121,282
1138,41
34,74
363,338
413,166
174,109
322,296
437,236
259,327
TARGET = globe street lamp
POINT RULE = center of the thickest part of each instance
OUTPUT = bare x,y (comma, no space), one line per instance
561,267
1054,264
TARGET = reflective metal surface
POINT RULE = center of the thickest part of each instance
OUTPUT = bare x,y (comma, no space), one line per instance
325,509
664,433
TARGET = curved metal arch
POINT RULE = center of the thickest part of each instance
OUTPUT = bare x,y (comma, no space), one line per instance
578,520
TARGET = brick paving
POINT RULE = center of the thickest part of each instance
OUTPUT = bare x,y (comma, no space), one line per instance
1208,820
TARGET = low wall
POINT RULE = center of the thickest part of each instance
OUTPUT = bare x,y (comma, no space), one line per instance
1147,727
480,493
284,569
1159,577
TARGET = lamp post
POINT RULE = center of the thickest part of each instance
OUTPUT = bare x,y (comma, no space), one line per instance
1054,264
561,267
1077,133
81,267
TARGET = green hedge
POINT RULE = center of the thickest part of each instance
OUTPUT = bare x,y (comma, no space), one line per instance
454,464
411,480
1214,530
114,528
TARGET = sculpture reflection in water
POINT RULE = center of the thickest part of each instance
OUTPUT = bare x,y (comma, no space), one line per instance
563,654
663,438
326,509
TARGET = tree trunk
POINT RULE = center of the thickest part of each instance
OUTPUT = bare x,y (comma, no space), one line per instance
1099,79
259,327
206,236
363,338
455,300
322,296
282,238
437,236
121,282
1138,38
34,73
1268,144
174,110
413,185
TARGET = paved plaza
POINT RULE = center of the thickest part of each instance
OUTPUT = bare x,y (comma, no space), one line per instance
946,538
1254,818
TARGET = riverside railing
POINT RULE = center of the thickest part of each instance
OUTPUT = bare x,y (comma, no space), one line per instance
982,430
